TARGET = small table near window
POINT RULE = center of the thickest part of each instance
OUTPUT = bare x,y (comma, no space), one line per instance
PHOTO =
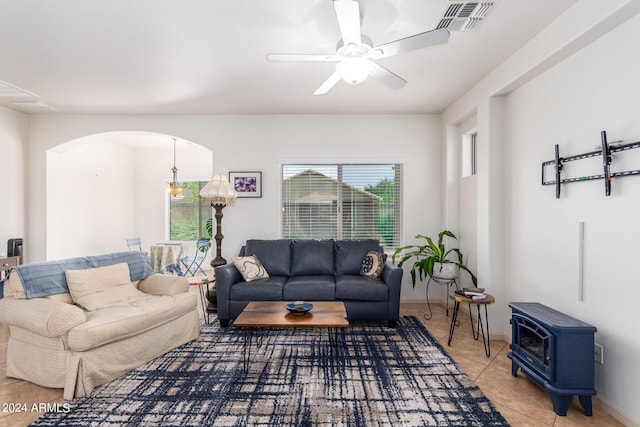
489,299
201,282
164,257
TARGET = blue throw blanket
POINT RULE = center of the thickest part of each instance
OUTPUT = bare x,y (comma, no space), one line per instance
48,278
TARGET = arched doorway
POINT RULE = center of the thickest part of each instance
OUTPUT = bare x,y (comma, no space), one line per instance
105,187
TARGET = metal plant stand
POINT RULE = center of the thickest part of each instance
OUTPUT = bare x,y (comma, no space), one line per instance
440,281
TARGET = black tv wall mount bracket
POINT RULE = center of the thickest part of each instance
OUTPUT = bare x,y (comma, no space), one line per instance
606,152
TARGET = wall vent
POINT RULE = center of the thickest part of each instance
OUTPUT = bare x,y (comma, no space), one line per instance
465,15
13,97
32,106
7,90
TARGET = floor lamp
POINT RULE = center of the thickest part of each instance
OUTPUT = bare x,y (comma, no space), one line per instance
220,193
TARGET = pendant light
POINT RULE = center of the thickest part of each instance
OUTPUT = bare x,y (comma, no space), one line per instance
175,188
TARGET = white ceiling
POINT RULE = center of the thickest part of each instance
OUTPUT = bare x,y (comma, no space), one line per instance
208,56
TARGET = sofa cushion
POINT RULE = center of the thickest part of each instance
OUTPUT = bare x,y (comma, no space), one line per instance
116,323
349,254
161,284
258,290
311,257
358,288
310,288
275,255
250,267
65,298
373,264
96,288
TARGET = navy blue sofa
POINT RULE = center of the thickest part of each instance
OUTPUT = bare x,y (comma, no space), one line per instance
312,270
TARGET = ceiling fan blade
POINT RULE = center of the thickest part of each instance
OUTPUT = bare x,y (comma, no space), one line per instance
301,57
328,84
348,13
419,41
389,79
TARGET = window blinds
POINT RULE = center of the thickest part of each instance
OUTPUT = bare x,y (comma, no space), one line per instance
342,201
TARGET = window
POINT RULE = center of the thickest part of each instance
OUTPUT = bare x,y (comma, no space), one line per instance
188,215
342,201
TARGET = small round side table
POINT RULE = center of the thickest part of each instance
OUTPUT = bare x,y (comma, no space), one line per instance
489,299
445,282
204,294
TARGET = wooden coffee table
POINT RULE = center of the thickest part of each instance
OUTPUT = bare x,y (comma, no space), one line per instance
272,314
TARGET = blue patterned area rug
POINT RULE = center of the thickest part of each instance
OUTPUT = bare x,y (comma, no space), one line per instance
371,376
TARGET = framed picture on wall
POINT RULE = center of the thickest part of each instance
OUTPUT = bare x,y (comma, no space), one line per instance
247,184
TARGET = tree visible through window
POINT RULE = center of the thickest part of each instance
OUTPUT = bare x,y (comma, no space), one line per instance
188,215
342,201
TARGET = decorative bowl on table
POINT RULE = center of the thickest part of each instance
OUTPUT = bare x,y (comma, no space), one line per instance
299,307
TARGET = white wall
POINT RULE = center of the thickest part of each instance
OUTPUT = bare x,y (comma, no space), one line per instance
596,89
259,143
13,137
468,212
89,199
576,78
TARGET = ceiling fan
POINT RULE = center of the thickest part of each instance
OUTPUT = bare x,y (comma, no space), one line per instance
356,55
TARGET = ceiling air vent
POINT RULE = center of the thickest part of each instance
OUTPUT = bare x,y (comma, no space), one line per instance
465,15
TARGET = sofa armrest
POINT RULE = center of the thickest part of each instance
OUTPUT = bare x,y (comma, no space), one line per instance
160,284
226,276
392,276
41,316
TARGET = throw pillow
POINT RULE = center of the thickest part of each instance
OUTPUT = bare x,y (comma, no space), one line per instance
96,288
373,264
250,267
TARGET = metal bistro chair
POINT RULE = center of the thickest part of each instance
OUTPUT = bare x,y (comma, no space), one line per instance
193,264
134,242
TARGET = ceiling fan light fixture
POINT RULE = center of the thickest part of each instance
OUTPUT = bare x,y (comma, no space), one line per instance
354,70
356,54
376,53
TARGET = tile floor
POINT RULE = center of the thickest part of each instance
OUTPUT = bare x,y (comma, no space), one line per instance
519,400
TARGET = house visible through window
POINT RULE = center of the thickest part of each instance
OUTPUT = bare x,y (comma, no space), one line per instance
188,215
342,201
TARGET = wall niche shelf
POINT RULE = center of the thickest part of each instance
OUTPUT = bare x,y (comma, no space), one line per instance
606,152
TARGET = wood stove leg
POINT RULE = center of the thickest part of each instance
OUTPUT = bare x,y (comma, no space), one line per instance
561,403
585,401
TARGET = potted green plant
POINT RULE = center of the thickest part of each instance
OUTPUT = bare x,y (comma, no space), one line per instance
432,260
208,227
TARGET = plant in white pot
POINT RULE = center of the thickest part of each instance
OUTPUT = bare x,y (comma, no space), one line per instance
433,260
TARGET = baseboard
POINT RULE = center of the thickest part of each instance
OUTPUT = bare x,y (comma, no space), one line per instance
615,412
417,301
